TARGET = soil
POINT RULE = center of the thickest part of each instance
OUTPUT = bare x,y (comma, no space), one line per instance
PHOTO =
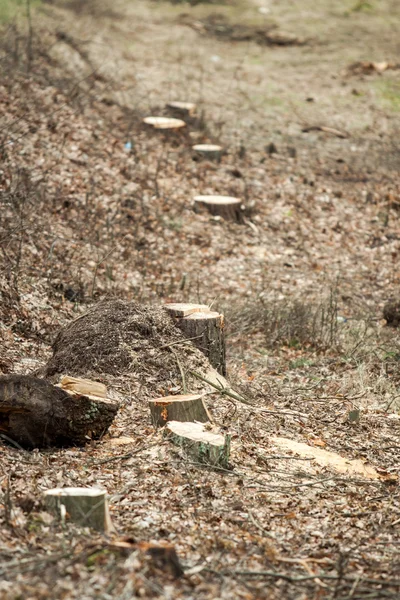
97,209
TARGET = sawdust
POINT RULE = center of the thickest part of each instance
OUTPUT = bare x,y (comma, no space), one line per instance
136,344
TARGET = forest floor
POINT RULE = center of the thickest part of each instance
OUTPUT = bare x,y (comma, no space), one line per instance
305,98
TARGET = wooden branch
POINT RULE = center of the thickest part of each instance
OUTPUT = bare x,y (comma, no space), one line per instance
207,331
228,207
221,389
87,507
178,408
36,414
205,446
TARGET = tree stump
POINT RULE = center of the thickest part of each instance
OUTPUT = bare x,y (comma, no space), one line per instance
181,109
204,446
228,207
36,414
87,507
391,312
210,151
183,310
164,123
178,408
206,330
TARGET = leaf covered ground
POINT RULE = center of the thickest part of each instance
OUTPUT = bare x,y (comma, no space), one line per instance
304,97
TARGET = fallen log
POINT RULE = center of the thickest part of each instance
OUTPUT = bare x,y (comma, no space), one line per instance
178,408
87,507
206,330
36,414
204,446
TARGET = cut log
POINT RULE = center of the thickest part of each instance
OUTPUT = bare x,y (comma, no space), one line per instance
182,109
87,507
210,151
206,330
178,408
228,207
36,414
183,310
164,123
204,446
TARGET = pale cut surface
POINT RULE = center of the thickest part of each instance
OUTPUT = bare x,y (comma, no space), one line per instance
217,199
164,122
181,309
207,148
83,386
196,432
328,459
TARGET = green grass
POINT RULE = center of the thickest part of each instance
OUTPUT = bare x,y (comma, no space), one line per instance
390,94
9,9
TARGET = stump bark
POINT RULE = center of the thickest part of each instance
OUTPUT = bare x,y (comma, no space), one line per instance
178,408
204,446
37,414
228,207
87,507
206,330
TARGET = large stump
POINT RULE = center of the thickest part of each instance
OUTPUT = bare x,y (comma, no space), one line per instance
87,507
204,446
164,123
210,151
178,408
37,414
181,109
206,330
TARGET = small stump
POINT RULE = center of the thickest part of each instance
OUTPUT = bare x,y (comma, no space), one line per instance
227,207
87,507
210,151
391,312
164,123
203,446
178,408
181,109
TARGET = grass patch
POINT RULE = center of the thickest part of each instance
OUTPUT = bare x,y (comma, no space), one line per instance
10,9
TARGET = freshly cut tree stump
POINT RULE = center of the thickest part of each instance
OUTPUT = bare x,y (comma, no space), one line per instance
206,330
180,309
36,414
83,386
164,122
204,446
228,207
211,151
178,408
183,109
87,507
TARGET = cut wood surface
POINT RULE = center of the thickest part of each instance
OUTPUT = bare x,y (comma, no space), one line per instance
203,445
212,151
206,330
83,386
228,207
178,408
327,459
181,309
35,414
87,507
182,108
164,122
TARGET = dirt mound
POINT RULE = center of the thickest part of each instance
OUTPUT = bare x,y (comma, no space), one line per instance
140,343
